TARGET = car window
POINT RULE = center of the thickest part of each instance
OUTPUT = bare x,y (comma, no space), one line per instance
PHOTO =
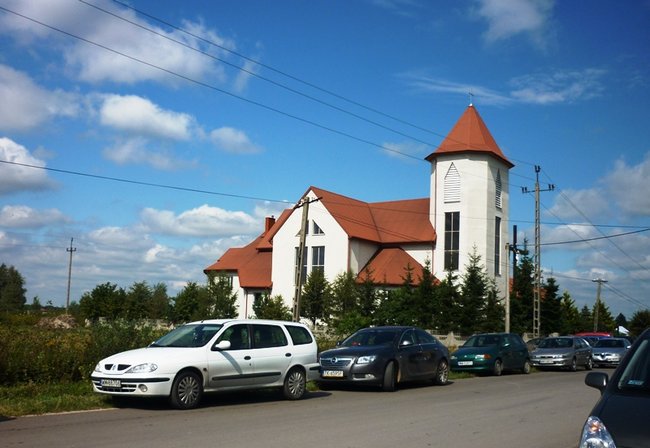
299,335
482,340
636,375
556,343
238,336
610,343
370,337
408,338
194,335
425,338
265,336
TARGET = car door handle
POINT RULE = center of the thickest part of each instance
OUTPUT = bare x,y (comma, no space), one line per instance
247,358
288,355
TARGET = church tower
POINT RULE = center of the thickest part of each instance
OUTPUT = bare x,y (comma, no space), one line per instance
470,200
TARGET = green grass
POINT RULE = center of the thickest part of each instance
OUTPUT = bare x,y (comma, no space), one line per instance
29,399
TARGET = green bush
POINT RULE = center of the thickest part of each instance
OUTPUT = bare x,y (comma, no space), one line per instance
31,354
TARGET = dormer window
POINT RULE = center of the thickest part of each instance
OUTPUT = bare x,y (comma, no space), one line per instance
316,230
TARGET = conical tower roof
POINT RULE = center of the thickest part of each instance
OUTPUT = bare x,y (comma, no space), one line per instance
470,134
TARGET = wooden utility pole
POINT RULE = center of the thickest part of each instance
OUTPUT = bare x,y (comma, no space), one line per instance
71,250
537,258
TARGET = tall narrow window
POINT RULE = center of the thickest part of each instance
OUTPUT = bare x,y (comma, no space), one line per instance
452,185
318,258
303,272
452,240
497,199
497,246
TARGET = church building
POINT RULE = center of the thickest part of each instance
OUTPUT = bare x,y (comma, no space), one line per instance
466,212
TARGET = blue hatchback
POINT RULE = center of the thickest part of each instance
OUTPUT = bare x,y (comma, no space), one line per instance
491,353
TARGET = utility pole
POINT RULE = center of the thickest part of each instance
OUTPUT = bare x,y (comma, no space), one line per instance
600,281
537,259
510,248
71,250
304,203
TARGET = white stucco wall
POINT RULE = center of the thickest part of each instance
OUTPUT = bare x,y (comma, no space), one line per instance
477,210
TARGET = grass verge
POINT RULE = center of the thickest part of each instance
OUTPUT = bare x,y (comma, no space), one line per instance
32,398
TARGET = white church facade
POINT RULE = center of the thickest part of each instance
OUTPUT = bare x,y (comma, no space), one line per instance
467,211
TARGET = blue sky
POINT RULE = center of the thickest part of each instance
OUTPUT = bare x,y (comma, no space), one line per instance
234,108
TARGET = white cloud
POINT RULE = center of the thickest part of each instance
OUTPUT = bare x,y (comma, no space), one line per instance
136,151
25,105
22,216
14,178
233,140
507,18
629,186
138,115
558,87
425,83
204,221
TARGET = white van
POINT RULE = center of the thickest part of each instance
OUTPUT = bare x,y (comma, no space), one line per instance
211,356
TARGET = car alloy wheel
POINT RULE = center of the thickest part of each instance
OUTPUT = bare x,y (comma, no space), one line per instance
497,370
294,384
526,368
186,390
442,373
390,378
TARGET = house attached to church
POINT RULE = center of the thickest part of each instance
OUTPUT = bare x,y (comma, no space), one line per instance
466,212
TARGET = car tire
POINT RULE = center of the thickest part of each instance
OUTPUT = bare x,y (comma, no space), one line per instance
497,369
187,390
389,383
295,384
574,365
442,373
589,364
526,367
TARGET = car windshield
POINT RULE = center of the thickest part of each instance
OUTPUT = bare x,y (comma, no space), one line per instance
481,340
193,335
636,375
556,343
610,343
370,338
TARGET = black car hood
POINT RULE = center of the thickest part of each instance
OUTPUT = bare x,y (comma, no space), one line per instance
627,418
359,350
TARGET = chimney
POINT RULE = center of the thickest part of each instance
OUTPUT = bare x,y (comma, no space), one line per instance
268,223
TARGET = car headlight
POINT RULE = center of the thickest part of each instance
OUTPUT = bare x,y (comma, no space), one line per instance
595,435
453,357
366,359
482,356
147,367
98,367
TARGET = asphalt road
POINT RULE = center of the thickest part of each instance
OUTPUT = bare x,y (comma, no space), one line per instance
540,410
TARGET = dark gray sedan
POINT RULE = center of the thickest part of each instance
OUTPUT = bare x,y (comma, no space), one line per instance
385,356
621,416
562,351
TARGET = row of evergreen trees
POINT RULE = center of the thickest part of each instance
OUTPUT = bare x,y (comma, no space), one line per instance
463,305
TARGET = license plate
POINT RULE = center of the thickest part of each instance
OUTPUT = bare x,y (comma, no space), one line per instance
332,374
546,361
465,363
111,383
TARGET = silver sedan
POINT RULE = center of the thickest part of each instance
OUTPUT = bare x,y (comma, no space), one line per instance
562,351
610,351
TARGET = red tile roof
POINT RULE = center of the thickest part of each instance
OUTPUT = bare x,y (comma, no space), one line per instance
388,267
390,222
470,134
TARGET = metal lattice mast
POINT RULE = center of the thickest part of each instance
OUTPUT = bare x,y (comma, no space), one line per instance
537,260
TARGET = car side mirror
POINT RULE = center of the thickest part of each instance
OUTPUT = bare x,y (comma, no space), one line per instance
221,345
597,380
